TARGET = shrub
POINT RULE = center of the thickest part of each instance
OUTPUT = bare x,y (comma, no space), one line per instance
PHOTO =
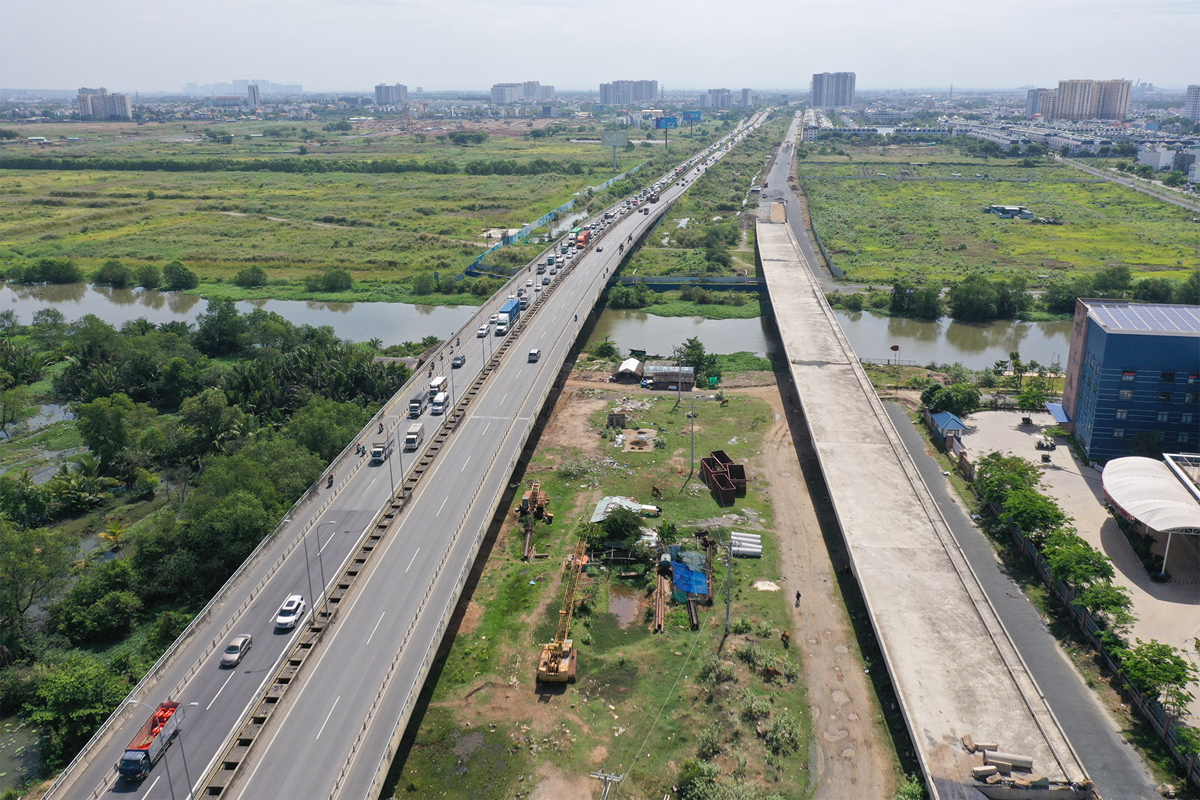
754,707
251,277
114,274
177,277
742,625
148,276
331,280
708,743
714,670
783,734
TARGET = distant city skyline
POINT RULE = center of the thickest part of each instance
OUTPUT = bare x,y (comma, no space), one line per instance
346,45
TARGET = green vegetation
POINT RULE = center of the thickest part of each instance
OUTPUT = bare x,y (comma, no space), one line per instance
148,200
932,230
660,693
188,444
705,232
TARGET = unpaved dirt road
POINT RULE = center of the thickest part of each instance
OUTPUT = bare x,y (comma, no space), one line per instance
853,754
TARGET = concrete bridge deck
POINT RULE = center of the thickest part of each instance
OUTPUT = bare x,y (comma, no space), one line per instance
953,664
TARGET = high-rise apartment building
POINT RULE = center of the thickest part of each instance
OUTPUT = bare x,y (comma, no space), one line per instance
747,98
1191,103
622,93
252,98
716,98
99,104
833,89
504,94
1083,99
1112,99
1040,101
395,95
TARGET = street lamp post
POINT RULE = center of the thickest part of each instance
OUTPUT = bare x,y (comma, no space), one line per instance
320,560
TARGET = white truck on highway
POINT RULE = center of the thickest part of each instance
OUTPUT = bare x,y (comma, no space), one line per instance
415,435
439,404
381,450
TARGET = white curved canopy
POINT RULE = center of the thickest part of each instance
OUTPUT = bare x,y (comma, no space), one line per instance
1147,490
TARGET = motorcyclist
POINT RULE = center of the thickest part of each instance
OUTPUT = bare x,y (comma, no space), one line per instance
381,427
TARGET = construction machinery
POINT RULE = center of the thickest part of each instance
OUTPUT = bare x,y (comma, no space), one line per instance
557,662
533,502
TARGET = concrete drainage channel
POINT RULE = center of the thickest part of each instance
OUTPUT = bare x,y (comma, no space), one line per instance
237,752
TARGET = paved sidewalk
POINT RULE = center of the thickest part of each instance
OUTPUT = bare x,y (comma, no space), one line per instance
1116,768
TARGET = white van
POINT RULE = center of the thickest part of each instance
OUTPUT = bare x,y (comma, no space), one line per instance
439,404
534,355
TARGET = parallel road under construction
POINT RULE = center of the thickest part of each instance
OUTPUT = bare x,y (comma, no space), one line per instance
381,557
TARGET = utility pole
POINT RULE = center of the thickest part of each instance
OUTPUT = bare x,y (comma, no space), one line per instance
728,584
609,779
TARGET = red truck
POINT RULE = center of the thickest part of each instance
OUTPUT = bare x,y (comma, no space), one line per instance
583,238
150,742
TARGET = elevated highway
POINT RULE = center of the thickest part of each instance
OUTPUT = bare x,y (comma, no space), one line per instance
954,666
317,712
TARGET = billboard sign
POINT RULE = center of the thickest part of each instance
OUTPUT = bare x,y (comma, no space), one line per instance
692,116
666,123
614,138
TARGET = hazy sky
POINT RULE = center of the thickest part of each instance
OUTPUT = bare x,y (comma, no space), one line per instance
151,45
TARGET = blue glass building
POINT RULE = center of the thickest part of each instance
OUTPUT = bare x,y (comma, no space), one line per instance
1133,368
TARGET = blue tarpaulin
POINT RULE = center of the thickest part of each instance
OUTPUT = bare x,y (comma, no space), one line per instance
689,580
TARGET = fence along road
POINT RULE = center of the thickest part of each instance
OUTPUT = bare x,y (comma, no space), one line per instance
954,667
305,552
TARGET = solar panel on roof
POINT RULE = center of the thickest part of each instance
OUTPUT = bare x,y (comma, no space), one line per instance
1147,317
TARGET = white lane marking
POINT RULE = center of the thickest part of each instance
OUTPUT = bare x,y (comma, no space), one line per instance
372,636
325,543
485,428
151,789
443,505
411,560
504,398
464,466
327,716
218,694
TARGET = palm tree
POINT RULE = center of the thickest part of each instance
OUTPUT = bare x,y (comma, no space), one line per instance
114,533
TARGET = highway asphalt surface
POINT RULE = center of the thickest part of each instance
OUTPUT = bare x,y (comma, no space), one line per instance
307,749
324,716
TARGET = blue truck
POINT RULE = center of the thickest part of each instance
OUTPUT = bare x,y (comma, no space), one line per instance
509,312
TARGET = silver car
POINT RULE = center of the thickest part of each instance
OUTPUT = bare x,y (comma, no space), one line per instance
236,649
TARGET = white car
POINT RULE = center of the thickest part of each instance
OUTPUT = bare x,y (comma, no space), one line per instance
529,282
290,613
493,319
482,332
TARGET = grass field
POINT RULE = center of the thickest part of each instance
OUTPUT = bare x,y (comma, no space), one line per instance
878,229
381,226
642,704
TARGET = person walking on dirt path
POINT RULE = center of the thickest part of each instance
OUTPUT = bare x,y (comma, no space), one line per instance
797,599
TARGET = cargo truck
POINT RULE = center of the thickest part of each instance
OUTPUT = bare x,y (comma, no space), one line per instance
415,435
584,237
418,404
150,742
381,450
436,385
511,310
541,268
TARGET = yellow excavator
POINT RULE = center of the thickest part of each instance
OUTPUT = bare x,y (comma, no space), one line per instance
557,661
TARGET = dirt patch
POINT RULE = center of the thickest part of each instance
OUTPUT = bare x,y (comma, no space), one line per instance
570,425
743,380
554,785
852,754
471,617
639,441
